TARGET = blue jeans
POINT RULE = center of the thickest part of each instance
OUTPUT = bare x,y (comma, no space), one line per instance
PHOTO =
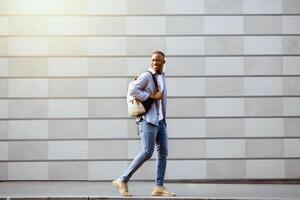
151,135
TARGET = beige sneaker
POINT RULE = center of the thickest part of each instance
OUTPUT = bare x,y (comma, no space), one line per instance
122,187
162,191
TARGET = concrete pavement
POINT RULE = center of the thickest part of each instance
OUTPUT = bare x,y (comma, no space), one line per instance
142,190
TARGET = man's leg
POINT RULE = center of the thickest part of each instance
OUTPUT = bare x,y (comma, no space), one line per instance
162,153
148,134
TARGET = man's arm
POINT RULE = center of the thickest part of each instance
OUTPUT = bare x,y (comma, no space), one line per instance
137,88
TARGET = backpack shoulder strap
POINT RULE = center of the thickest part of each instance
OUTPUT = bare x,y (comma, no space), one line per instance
154,80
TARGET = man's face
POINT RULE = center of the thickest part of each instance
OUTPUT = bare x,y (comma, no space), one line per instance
158,62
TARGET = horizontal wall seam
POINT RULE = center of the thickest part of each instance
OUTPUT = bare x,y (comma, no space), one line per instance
131,118
239,180
170,138
169,97
173,159
180,181
143,15
131,77
142,35
147,56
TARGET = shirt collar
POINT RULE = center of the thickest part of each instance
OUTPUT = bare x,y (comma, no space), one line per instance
152,71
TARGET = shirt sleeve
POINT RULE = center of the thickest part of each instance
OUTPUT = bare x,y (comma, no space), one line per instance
137,88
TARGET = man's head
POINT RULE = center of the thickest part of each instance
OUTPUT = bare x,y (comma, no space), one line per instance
158,61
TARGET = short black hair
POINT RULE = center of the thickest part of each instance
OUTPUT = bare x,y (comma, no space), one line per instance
159,52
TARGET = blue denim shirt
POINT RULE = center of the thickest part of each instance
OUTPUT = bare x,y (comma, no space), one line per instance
141,89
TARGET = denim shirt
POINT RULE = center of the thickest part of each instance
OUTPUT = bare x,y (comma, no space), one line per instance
141,89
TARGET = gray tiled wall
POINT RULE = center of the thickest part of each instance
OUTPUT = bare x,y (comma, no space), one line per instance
233,79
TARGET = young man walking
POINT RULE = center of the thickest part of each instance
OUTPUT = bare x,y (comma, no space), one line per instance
152,126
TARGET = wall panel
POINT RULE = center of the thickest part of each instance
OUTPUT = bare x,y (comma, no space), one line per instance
232,72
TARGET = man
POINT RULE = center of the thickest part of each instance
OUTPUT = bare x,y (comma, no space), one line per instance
152,126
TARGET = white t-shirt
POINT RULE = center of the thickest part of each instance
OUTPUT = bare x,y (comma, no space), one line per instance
161,89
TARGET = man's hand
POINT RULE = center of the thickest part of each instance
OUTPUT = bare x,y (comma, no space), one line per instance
156,96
